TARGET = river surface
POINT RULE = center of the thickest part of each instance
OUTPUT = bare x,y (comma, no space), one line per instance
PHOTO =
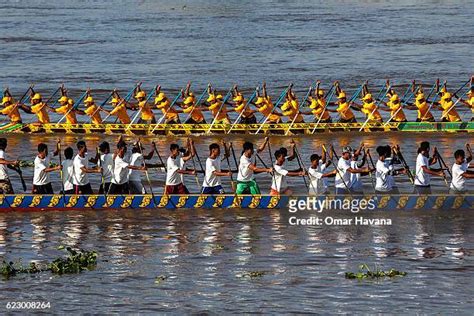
204,255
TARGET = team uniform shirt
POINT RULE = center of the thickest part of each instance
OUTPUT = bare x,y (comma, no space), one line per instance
172,166
68,173
422,178
290,109
94,112
396,111
318,184
40,111
40,177
80,177
356,183
120,175
121,112
423,110
458,181
266,109
106,162
136,160
371,111
384,181
165,107
3,168
210,179
12,112
470,101
449,112
279,182
219,111
69,112
343,166
245,174
146,112
318,106
241,106
344,110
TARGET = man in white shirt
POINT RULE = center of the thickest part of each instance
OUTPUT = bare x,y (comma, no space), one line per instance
423,172
5,184
81,170
460,172
344,170
121,171
279,183
68,171
317,174
138,160
175,168
245,177
356,182
212,180
385,170
41,181
104,160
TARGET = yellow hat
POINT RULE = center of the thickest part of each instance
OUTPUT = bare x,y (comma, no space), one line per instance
285,106
188,100
320,92
191,94
70,101
161,96
470,93
114,101
211,98
394,98
238,98
367,97
89,99
162,104
259,100
140,94
420,96
37,96
6,99
447,96
219,97
63,99
341,95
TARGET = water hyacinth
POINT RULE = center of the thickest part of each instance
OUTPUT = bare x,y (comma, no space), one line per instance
366,273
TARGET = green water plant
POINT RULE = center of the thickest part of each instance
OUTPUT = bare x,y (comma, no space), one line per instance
366,273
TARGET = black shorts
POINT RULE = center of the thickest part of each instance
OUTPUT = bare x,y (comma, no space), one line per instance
83,189
248,120
192,121
119,188
352,120
101,188
43,189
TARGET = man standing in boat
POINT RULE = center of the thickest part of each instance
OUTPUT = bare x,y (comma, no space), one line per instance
41,181
385,171
212,180
423,172
460,172
5,184
279,184
344,170
81,170
245,178
175,168
106,163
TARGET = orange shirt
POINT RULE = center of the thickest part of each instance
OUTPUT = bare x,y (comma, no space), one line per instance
41,112
12,112
93,111
70,114
121,112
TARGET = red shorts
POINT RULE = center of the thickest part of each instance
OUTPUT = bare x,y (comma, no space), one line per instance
176,189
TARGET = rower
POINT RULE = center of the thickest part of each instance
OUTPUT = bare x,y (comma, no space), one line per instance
460,172
344,108
317,174
423,171
190,107
290,108
219,111
120,108
395,108
67,108
385,171
175,168
447,105
121,170
5,183
10,109
368,107
344,170
317,104
41,181
163,104
212,180
265,106
421,105
245,178
469,102
240,104
106,163
137,159
147,116
279,184
355,182
68,171
81,170
37,107
92,110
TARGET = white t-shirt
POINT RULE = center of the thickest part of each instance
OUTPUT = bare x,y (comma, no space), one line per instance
457,183
68,173
80,177
3,168
172,175
356,183
318,184
422,178
120,171
210,179
136,160
106,162
343,165
245,174
384,181
40,177
279,178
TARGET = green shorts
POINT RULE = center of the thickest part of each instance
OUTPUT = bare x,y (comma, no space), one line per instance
248,187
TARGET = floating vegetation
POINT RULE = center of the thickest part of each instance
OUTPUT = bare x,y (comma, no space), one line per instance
160,279
75,262
253,274
376,273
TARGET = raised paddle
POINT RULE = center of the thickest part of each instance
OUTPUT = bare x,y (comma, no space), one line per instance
166,113
373,111
61,174
301,165
330,93
197,103
399,154
74,106
126,99
21,99
282,95
227,96
226,155
101,105
146,173
303,102
243,110
140,110
373,167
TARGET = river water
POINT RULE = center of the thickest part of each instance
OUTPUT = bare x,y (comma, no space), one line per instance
203,254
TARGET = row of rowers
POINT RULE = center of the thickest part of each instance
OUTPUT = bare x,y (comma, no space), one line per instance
318,100
121,173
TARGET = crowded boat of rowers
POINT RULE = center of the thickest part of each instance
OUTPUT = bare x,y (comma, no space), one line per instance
123,173
316,109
